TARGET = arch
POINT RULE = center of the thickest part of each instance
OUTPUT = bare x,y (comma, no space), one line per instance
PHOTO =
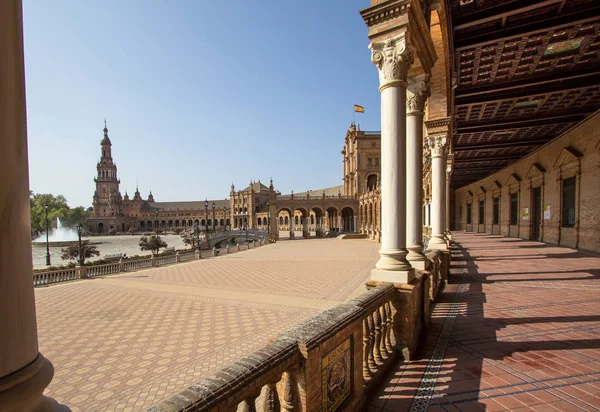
295,220
280,220
245,222
221,222
235,222
149,224
286,220
259,221
170,223
245,210
177,223
142,225
256,209
348,219
372,182
163,223
228,223
190,223
100,227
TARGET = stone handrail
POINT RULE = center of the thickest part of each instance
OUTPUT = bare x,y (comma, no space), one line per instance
130,265
56,276
378,351
286,374
136,264
100,270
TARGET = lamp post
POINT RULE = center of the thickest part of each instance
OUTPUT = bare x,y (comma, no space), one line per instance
79,230
213,221
156,212
268,218
206,214
47,244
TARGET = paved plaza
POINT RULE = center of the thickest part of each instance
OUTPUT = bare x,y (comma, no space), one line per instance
518,329
125,342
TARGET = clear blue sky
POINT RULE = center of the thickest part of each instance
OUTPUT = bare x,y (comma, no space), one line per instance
196,93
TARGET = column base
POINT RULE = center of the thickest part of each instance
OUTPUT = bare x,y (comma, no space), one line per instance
437,242
392,276
417,258
23,389
292,235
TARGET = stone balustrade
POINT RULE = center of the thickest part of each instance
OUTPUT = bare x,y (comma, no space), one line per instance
56,276
332,361
130,265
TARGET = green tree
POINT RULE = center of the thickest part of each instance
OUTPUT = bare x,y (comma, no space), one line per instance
189,239
57,207
153,243
71,252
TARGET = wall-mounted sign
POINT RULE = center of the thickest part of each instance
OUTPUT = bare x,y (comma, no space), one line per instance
337,376
547,212
525,213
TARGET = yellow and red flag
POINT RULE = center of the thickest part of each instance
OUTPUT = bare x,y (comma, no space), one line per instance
359,109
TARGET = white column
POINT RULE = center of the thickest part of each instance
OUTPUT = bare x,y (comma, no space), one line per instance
427,213
438,191
24,372
419,92
292,234
447,232
393,59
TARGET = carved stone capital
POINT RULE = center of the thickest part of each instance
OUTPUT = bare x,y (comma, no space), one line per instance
438,145
393,58
419,91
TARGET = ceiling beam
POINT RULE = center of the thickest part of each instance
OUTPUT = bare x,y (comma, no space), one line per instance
522,143
489,159
509,10
553,82
478,37
520,124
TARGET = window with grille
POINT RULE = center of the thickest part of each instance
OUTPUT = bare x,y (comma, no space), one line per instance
568,202
514,209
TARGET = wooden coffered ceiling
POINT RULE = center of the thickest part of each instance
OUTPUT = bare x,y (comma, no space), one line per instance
526,71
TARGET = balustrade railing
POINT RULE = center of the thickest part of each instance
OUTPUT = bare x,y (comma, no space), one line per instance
130,265
101,270
46,278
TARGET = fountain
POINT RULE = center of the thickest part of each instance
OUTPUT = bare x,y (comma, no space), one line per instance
61,236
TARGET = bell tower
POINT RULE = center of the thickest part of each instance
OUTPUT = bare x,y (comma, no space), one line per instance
107,198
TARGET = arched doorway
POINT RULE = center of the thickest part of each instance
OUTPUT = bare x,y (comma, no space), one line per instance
348,220
100,227
333,224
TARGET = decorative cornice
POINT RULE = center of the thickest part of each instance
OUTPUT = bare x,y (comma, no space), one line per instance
393,58
385,11
438,124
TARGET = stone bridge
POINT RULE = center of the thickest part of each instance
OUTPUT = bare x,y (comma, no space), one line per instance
220,239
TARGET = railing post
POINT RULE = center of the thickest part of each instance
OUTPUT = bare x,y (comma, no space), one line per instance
82,272
271,402
121,266
287,398
152,261
177,257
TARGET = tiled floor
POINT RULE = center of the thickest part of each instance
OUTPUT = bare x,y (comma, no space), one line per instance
125,342
517,329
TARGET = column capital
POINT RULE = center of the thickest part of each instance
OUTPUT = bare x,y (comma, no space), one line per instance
419,89
393,58
437,145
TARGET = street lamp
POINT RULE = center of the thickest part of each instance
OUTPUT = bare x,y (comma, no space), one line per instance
246,225
197,227
47,244
156,212
268,218
206,214
213,222
79,230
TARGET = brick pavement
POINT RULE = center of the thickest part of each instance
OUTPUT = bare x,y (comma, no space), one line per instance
125,342
518,329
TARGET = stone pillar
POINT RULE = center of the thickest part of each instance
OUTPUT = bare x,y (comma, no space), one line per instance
393,59
24,372
292,235
447,232
438,191
419,89
306,227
